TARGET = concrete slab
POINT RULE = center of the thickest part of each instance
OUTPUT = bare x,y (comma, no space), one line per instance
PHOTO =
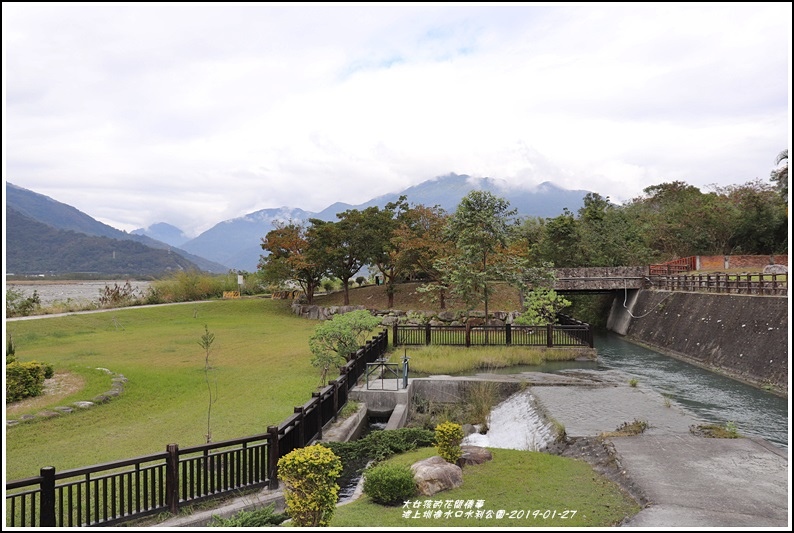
694,481
588,412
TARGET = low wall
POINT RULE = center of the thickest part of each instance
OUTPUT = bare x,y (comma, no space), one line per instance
742,336
720,262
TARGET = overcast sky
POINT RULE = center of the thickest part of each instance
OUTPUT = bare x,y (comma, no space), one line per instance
196,113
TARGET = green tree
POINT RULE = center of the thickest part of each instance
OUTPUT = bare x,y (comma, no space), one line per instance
345,246
333,340
384,248
419,242
541,306
561,243
292,256
779,175
481,229
206,343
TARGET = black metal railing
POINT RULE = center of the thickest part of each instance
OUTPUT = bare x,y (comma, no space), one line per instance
111,493
569,332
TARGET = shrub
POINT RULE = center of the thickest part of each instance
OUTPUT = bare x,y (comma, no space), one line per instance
24,380
266,516
19,305
448,438
380,445
309,475
389,484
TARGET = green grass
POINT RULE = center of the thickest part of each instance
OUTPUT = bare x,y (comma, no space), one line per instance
514,481
260,359
454,359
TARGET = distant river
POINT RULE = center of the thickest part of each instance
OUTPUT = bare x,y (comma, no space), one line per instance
51,292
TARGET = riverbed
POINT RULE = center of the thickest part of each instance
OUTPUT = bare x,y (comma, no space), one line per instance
77,291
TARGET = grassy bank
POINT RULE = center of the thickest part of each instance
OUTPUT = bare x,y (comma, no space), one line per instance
533,489
454,360
260,362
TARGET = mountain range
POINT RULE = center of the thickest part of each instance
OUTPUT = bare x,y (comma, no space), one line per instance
234,244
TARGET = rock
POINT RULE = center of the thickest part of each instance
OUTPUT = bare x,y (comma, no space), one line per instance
63,409
447,316
83,404
474,455
775,269
468,429
434,475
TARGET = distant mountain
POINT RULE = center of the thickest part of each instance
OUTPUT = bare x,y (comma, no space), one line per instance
33,247
236,242
60,216
163,232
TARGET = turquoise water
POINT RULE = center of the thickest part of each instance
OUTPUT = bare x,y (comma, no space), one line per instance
709,396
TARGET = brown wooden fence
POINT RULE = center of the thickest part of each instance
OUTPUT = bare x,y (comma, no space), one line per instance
569,332
760,284
112,493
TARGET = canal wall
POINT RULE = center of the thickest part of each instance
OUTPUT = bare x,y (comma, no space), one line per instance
742,336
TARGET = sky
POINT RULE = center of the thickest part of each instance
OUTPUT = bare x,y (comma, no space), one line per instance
192,114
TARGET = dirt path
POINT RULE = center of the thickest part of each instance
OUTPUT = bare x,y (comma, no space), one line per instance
57,387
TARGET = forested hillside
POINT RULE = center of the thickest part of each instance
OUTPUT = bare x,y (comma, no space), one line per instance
36,248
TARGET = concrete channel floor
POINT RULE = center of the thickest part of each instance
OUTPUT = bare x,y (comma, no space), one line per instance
688,480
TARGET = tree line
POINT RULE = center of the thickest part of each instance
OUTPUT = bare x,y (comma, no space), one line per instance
460,254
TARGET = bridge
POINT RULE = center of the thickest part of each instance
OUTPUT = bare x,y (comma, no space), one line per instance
600,279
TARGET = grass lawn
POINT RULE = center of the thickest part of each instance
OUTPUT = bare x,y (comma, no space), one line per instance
533,489
260,362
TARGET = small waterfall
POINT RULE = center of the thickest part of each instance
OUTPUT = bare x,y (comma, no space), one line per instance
515,424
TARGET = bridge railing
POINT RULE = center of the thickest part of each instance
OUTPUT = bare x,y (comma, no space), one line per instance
676,266
758,284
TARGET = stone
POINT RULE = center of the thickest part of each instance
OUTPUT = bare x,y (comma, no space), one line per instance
468,429
447,316
775,269
434,475
63,409
83,404
474,455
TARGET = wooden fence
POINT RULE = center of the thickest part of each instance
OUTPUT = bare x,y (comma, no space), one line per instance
112,493
569,332
760,284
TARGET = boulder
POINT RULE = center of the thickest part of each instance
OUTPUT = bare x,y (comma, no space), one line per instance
434,475
775,269
474,455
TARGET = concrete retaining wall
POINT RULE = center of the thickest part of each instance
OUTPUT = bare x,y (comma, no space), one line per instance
745,337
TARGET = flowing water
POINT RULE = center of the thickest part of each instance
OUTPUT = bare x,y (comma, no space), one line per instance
710,397
516,425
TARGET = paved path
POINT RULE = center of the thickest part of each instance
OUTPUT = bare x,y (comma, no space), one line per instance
689,481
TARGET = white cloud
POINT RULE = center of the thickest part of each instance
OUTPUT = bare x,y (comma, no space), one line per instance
194,114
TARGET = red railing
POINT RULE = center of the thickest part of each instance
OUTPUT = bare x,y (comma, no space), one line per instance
676,266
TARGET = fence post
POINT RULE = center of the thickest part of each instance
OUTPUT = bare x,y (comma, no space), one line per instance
319,410
395,339
172,478
47,485
272,459
336,397
508,335
427,334
300,427
549,335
